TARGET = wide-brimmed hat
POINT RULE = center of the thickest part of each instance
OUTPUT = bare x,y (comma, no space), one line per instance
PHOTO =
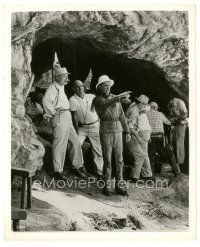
60,71
104,78
153,104
143,99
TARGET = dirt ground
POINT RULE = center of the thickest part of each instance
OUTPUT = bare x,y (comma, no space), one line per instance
87,209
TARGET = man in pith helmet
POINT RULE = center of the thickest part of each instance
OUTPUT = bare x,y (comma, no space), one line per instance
112,124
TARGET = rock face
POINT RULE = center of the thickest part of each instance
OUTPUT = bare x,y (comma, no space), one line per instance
27,151
155,39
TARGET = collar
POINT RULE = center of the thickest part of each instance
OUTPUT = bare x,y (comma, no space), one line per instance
106,97
135,105
57,85
76,96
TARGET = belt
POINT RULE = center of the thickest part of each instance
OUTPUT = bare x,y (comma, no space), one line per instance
61,111
157,135
90,123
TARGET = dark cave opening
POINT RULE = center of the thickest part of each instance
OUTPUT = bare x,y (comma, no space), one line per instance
79,55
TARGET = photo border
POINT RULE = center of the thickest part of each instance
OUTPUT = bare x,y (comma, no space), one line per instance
118,236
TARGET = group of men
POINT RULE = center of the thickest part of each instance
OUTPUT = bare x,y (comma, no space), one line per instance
101,119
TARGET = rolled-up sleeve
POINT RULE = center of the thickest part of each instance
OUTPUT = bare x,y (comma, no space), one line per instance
73,106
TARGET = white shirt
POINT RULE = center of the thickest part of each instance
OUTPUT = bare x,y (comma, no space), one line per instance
143,122
137,120
83,106
54,98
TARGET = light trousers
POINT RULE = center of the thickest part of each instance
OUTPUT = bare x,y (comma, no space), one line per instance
65,136
138,156
92,132
179,142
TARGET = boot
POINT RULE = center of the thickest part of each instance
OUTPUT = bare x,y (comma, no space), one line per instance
83,170
78,173
99,177
59,176
152,179
137,180
121,192
106,192
120,188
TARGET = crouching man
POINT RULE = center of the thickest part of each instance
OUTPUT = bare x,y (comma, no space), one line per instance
86,122
56,107
112,119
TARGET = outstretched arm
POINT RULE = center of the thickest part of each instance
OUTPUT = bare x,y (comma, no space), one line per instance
100,101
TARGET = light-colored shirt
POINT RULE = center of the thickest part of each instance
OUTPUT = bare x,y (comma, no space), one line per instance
156,120
86,113
143,122
177,108
54,98
136,120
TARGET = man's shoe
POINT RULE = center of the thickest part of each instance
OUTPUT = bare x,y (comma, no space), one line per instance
65,173
78,173
137,180
146,179
106,192
121,192
83,170
99,177
59,176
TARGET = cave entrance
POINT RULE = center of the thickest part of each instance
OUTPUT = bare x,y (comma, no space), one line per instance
80,55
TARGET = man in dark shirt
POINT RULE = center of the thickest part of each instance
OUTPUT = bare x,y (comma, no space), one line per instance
112,119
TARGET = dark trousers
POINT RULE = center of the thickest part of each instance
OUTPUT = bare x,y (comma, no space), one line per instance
165,152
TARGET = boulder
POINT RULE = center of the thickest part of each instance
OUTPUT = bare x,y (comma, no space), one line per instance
181,187
26,150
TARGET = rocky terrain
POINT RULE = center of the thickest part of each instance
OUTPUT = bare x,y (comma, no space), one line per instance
59,206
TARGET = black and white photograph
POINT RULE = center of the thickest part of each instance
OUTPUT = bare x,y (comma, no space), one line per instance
100,120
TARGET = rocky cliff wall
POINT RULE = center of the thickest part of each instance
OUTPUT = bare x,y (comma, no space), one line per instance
158,37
